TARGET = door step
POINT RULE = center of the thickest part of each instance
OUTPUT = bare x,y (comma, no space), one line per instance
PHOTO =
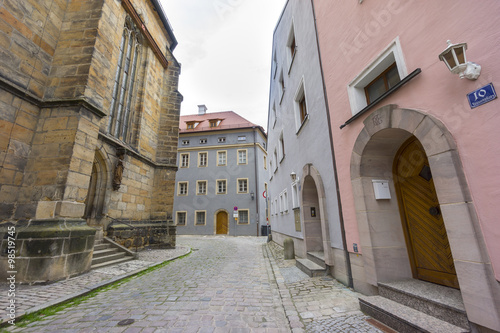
417,306
403,318
317,257
310,268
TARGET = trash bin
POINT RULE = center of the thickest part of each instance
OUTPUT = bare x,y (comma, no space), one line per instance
265,230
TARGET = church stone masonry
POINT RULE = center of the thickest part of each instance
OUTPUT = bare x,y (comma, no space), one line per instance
89,112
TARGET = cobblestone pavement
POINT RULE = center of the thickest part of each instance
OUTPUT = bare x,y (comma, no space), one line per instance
319,304
31,298
226,284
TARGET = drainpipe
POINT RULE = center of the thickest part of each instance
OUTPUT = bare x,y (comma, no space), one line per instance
256,196
339,201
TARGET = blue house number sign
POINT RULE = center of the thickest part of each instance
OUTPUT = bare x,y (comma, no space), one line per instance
481,96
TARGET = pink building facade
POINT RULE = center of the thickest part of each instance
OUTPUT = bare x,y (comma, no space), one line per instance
422,133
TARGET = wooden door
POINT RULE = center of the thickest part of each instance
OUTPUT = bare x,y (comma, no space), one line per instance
426,237
222,223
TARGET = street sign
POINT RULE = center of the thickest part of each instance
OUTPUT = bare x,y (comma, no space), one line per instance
481,96
235,214
235,208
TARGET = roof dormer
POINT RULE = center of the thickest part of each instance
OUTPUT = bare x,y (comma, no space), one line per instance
191,124
214,122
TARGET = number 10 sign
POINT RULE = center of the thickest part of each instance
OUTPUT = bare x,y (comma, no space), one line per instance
481,96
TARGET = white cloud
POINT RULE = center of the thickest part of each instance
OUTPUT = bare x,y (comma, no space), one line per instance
225,52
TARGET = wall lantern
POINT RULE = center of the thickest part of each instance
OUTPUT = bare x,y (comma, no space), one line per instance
456,61
293,175
252,195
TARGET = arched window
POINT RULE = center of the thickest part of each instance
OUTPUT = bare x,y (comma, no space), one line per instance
125,83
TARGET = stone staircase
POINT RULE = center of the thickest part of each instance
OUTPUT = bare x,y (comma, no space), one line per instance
106,253
313,265
417,306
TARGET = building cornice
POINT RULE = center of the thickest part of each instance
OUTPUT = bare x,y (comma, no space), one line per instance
32,99
218,131
221,147
120,145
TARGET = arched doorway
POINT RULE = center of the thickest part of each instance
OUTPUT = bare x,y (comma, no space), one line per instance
312,216
222,223
95,201
383,244
423,225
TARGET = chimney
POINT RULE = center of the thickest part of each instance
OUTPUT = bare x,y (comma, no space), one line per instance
202,109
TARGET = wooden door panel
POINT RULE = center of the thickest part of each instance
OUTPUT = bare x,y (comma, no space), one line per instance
222,223
427,240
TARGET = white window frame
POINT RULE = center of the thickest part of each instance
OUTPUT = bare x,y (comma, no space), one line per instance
248,216
177,218
198,182
182,160
246,157
285,201
291,37
238,190
300,94
356,88
179,194
281,147
218,157
200,160
275,160
217,186
196,217
281,86
242,138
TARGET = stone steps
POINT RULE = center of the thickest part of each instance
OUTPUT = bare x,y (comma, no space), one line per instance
404,319
310,268
317,257
104,254
101,246
110,263
438,301
417,306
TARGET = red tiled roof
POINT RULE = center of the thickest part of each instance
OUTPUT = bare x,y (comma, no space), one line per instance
229,120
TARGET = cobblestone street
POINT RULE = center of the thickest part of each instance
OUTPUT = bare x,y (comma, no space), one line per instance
226,284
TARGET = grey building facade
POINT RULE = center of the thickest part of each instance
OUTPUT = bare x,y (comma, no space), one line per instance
303,195
220,182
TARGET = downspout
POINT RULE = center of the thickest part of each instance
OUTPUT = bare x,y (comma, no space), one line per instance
256,195
339,201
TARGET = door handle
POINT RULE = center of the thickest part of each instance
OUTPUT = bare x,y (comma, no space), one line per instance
435,211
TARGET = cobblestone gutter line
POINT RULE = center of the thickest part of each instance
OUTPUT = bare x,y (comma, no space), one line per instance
291,312
30,299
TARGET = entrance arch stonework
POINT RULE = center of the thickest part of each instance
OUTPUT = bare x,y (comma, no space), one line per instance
313,193
382,239
98,195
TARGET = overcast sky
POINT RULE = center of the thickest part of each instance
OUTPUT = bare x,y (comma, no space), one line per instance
225,52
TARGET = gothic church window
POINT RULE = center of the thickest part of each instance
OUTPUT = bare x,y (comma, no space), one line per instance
125,82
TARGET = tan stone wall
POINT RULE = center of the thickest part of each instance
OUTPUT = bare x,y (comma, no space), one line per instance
18,121
29,32
57,65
